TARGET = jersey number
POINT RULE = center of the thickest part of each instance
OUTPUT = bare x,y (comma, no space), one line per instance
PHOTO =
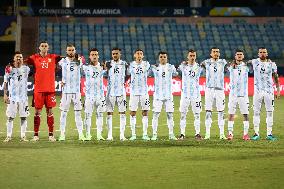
139,70
19,77
191,73
215,68
262,70
95,74
44,65
71,68
239,72
116,70
163,74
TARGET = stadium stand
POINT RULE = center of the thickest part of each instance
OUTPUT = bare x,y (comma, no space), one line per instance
170,35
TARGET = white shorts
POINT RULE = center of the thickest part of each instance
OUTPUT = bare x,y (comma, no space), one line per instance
185,102
66,100
14,107
268,101
158,105
120,100
99,104
243,102
134,102
212,95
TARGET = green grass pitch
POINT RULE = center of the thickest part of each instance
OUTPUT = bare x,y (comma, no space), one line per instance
139,164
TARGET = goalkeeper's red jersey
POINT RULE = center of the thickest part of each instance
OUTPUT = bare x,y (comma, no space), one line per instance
44,68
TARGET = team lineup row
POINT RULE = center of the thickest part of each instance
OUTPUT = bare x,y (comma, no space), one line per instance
117,70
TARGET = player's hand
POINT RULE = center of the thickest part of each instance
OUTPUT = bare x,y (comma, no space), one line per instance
6,99
8,69
62,84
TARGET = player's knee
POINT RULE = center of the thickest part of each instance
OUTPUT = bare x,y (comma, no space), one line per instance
208,115
145,113
269,118
197,116
10,119
99,114
246,117
156,114
170,115
132,113
183,115
23,118
256,113
78,117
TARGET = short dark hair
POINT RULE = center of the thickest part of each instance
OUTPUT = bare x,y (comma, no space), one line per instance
162,52
70,45
116,49
239,50
17,52
191,51
42,42
138,50
261,48
213,48
93,49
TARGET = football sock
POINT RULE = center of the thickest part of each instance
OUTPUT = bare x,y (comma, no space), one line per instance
170,122
145,124
50,123
246,127
208,122
269,123
79,122
132,124
230,127
63,122
24,124
221,122
88,122
109,125
155,122
9,125
122,123
182,122
99,123
36,124
256,122
197,123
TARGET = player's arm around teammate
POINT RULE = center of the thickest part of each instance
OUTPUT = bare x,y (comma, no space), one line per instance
94,94
16,74
138,71
163,74
116,69
238,70
190,94
264,69
214,91
44,65
71,79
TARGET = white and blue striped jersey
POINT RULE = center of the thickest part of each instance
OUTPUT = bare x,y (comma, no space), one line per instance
263,75
163,81
17,81
239,80
190,79
94,81
139,74
116,78
215,73
71,75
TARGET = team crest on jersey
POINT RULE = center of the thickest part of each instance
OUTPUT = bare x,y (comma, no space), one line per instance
49,60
